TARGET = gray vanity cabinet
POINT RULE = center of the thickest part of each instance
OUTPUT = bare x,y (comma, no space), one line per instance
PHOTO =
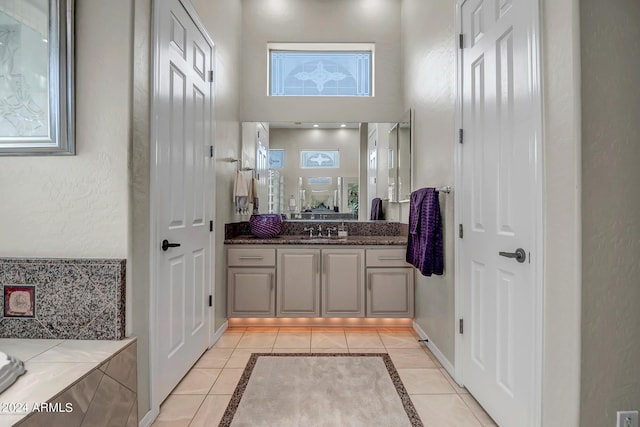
343,283
298,283
390,284
328,281
251,282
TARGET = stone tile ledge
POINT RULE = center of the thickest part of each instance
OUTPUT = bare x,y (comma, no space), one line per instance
74,298
305,240
354,228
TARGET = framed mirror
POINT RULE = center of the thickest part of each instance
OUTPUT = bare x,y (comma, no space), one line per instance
36,77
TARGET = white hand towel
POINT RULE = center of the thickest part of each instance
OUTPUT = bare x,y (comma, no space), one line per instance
240,193
253,194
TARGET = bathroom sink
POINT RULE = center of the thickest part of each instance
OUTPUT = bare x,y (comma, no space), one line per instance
319,240
324,239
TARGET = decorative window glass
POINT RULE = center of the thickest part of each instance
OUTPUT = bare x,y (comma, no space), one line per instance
319,159
319,180
276,159
299,69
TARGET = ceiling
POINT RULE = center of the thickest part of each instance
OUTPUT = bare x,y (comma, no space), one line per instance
310,125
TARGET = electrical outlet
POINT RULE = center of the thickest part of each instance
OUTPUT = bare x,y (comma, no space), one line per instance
627,419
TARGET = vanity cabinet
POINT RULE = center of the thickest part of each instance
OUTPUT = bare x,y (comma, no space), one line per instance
251,282
298,283
390,283
343,283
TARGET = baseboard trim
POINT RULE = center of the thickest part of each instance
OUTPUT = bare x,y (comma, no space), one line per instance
436,352
217,334
149,418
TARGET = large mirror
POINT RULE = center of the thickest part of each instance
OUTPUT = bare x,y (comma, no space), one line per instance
333,171
36,77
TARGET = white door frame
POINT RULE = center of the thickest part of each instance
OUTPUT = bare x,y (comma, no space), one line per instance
154,201
535,81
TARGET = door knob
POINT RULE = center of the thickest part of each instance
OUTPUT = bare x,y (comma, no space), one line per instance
166,245
520,255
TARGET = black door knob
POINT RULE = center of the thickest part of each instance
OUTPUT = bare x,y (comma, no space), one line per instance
166,245
520,255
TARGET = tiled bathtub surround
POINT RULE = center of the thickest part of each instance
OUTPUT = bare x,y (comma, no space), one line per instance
91,383
355,228
74,298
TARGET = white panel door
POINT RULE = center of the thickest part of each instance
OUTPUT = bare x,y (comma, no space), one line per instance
183,176
499,207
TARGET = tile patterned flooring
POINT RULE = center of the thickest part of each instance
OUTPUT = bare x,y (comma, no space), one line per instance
203,394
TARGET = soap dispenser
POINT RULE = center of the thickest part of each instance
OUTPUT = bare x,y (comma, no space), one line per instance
342,231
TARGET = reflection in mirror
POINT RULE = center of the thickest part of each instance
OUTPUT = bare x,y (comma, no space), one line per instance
399,161
315,171
393,163
318,168
36,77
404,161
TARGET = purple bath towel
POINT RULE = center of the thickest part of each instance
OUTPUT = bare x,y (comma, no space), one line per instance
376,209
424,247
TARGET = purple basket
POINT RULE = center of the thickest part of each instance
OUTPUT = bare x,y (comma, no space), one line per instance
266,225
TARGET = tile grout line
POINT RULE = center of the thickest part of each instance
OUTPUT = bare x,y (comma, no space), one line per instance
197,410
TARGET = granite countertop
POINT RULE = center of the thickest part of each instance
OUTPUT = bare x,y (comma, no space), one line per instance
305,240
51,367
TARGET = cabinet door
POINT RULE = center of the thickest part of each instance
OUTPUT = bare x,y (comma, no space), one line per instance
298,283
343,283
251,292
390,292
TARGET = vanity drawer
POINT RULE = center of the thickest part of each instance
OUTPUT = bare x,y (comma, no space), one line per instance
254,257
389,257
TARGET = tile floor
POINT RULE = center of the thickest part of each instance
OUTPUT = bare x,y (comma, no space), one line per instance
203,394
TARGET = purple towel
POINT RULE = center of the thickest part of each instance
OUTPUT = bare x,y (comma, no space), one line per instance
376,209
424,247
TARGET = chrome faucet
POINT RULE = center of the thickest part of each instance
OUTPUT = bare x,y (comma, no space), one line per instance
329,230
310,230
319,231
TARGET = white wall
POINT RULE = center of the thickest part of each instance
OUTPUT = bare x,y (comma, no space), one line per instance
611,210
428,54
138,266
78,206
562,289
375,21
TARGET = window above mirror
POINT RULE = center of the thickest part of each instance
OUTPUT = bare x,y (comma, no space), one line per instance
321,69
